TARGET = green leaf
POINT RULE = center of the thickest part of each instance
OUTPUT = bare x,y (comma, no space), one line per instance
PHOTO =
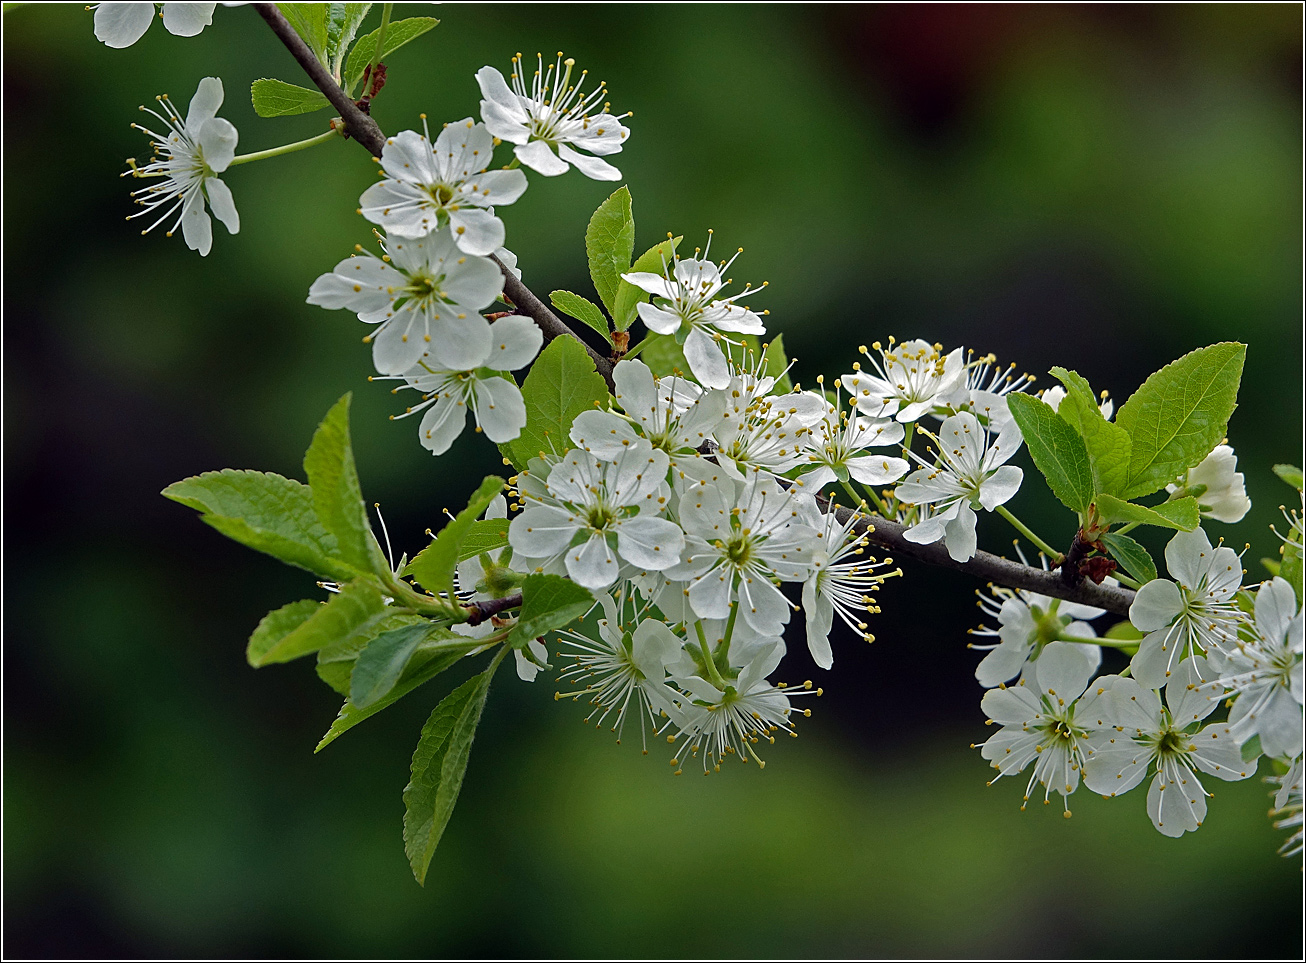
1290,474
484,536
1124,631
438,766
335,662
434,565
276,625
1251,749
609,243
268,513
310,22
379,666
582,309
341,615
1181,514
777,364
548,602
1180,414
1056,448
397,34
1273,566
663,356
342,22
560,385
333,480
1108,445
1133,558
276,98
654,260
1290,568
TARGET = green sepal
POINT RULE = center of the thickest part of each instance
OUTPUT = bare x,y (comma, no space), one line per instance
398,33
1057,450
654,261
434,565
582,309
333,479
343,613
1108,445
1181,514
609,244
276,98
561,384
1133,558
548,602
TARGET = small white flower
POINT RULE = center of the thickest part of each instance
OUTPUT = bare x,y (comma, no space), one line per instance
447,395
1288,807
1265,674
1027,623
1194,615
427,300
837,446
762,431
120,25
446,183
1217,485
910,379
971,474
688,309
1150,737
548,122
189,157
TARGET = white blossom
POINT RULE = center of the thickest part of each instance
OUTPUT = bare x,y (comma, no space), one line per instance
1264,673
837,448
687,308
1217,485
762,431
120,25
548,121
1028,622
426,300
909,379
971,473
188,158
429,186
1143,736
1193,615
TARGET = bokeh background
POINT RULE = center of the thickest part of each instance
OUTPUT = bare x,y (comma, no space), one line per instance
1100,187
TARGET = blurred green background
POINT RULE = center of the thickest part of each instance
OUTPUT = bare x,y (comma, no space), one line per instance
1100,187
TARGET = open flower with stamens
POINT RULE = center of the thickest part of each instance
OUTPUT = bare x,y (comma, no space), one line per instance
548,120
1217,485
597,514
983,392
907,381
496,401
1288,807
120,25
188,158
1142,736
1265,674
971,473
763,431
686,307
431,185
1196,614
424,295
837,443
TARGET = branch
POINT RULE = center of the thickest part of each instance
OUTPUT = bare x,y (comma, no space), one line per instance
362,128
478,612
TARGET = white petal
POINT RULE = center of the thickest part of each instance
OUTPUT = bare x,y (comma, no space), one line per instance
877,469
650,542
1156,605
592,167
407,157
187,19
500,410
1175,801
204,105
222,203
1188,557
473,281
460,340
1276,606
658,320
196,227
593,564
476,231
400,208
1001,486
603,434
542,532
706,360
820,619
538,157
497,188
515,341
120,25
442,424
959,534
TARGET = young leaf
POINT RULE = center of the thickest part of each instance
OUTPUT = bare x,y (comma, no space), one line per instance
548,602
1108,445
268,513
582,309
434,565
379,666
1290,568
1180,514
343,613
333,480
655,260
438,767
276,98
609,243
663,356
343,21
397,34
777,365
1180,414
1133,558
484,536
561,384
276,625
1056,448
309,21
1291,474
335,662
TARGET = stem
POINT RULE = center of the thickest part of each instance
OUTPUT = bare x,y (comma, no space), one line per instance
1126,529
907,438
259,155
1124,579
858,501
516,163
380,40
1021,527
879,503
713,675
1109,643
723,649
636,350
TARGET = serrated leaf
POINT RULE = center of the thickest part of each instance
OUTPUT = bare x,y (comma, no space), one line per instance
1056,448
438,766
342,22
1181,514
333,479
309,21
1133,558
560,385
1290,474
1108,445
335,662
484,536
397,34
339,616
268,513
276,98
378,666
548,602
276,625
609,244
583,309
434,565
655,260
1179,414
777,365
